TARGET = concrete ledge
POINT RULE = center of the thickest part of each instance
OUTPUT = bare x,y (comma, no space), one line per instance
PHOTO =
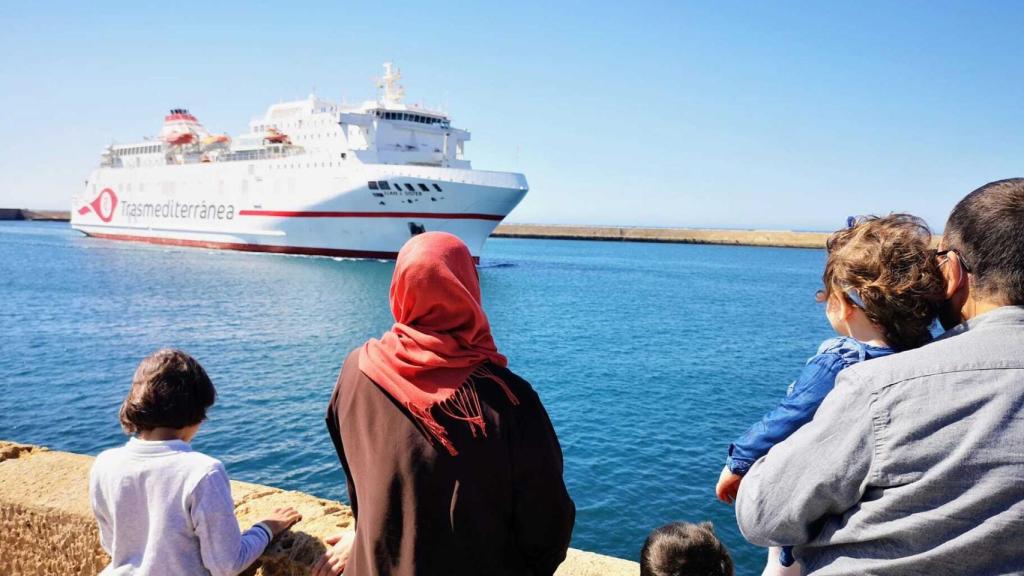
777,238
47,527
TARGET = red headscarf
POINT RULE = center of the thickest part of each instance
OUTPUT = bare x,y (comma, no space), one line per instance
440,338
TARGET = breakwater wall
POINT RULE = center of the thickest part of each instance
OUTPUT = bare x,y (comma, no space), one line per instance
47,526
776,238
22,214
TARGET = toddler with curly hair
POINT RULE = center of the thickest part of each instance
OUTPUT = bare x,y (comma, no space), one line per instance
882,292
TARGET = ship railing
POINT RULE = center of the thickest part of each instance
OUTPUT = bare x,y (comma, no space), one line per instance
260,154
238,156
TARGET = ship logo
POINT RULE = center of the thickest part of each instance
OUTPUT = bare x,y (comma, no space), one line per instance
103,205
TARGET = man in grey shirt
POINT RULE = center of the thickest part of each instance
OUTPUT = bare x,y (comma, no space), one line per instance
914,463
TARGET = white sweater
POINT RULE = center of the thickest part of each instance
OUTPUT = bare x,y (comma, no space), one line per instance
164,509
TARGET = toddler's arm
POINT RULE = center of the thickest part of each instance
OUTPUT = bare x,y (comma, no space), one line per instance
225,551
796,409
821,472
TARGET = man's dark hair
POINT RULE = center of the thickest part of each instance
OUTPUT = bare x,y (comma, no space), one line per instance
169,389
987,228
683,549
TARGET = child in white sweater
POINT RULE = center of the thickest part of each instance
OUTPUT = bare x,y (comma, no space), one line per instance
163,508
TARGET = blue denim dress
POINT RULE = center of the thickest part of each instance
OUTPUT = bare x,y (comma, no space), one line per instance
802,399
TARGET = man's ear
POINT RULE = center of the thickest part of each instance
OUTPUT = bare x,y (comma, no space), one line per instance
954,275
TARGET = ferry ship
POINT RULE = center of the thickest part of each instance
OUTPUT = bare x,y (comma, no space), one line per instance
310,177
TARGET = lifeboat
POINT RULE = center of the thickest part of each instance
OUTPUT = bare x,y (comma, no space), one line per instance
180,138
274,136
214,140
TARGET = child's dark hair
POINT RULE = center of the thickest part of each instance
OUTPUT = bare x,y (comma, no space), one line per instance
169,389
891,265
683,549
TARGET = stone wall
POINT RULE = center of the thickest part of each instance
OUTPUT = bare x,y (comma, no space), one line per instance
47,527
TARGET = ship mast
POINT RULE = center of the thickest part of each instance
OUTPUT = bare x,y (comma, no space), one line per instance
393,91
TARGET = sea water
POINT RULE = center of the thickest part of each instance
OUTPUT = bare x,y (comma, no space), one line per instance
650,358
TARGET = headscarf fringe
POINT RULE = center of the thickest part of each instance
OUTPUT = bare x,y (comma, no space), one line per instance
484,372
432,427
463,405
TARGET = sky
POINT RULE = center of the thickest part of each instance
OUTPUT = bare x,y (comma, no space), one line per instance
781,115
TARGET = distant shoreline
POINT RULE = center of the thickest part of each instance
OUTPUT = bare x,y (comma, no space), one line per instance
43,215
772,238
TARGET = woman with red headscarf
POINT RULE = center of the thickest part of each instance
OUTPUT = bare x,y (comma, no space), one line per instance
452,464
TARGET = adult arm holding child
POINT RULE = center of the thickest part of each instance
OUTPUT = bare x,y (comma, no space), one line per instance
822,470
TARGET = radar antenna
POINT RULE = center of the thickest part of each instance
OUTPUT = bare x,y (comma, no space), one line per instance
393,91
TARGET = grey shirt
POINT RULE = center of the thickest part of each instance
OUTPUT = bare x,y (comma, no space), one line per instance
914,463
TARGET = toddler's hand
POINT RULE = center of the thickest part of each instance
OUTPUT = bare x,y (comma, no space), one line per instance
335,558
282,519
728,486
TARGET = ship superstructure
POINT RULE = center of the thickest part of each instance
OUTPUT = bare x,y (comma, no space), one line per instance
309,177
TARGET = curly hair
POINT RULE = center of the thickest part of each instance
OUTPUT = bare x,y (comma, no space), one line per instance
891,265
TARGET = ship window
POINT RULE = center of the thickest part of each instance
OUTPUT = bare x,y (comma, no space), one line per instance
438,188
383,185
372,185
424,187
409,187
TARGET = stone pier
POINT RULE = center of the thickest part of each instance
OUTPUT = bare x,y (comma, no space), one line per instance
47,526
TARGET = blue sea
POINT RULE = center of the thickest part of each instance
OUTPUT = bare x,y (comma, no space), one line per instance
650,358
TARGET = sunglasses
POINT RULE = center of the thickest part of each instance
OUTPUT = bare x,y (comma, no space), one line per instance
959,257
851,293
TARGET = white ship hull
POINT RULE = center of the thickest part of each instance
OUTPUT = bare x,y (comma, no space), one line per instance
309,177
312,209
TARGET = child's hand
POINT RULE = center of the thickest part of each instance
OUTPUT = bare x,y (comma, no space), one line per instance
334,560
728,486
282,519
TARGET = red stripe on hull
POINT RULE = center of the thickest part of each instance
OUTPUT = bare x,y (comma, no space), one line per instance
424,215
335,252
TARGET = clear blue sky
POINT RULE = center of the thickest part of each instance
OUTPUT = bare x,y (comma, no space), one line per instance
714,114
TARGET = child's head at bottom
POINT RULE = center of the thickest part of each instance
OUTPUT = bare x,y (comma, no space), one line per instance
169,397
684,549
